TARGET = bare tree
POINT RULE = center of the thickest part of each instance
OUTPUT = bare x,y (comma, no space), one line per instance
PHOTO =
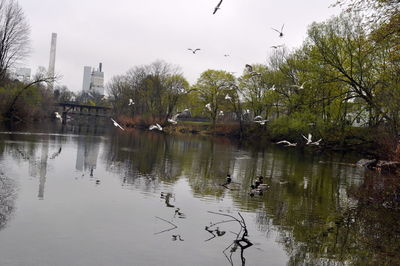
14,35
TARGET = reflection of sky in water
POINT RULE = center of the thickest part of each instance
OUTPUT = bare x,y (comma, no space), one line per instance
101,195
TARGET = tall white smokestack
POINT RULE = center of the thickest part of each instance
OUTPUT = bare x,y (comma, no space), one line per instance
52,61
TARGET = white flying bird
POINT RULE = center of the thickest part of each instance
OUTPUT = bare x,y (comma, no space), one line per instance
273,87
261,122
227,97
288,144
116,124
156,126
221,113
172,120
58,116
208,106
257,118
300,87
131,102
309,139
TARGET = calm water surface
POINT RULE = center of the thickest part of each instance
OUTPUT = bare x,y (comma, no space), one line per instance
95,199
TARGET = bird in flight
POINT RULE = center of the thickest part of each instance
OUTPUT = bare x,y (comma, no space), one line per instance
277,46
309,138
156,126
116,124
217,7
58,116
227,97
131,102
300,87
173,119
288,144
208,106
261,122
279,31
194,51
258,119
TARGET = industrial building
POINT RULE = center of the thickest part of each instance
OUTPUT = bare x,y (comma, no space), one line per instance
93,80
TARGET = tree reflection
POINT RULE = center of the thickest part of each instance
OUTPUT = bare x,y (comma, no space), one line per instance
323,212
7,199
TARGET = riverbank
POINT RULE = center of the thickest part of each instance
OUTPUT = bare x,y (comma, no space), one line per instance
352,139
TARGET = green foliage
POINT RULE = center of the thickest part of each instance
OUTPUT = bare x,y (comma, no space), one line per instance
210,91
293,126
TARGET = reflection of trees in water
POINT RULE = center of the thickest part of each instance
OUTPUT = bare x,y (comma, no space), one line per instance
7,199
355,228
157,157
308,204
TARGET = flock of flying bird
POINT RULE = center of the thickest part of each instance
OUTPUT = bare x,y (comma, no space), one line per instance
258,119
217,7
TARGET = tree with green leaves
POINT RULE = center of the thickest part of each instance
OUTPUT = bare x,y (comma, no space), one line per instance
210,91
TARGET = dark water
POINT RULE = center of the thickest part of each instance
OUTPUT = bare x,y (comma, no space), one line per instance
95,199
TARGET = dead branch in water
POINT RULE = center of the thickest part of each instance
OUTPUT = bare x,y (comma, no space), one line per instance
240,241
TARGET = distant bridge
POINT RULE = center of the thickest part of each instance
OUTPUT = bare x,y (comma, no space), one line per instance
73,108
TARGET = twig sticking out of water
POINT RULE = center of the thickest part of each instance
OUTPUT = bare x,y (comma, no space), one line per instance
166,230
241,239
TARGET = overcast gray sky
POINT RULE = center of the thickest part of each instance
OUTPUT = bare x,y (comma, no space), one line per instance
126,33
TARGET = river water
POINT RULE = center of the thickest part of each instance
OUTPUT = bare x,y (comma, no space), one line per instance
111,197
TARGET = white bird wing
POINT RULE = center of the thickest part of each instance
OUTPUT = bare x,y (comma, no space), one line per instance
208,106
152,127
159,127
283,141
172,121
257,117
316,142
176,116
116,124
